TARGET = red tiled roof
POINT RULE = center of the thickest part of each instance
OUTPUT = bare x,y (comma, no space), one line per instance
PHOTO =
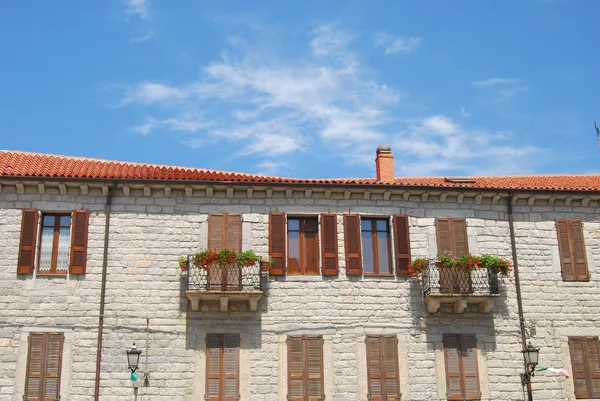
25,164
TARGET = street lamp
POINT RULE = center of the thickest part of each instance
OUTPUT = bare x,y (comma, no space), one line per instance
530,354
133,358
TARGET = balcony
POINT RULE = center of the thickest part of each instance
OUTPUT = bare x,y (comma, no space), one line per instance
232,287
460,288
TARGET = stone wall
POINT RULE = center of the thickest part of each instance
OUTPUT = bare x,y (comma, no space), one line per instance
145,298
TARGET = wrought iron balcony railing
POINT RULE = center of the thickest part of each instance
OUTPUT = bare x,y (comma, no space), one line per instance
225,278
441,281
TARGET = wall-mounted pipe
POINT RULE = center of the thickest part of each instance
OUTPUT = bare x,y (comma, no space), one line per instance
103,290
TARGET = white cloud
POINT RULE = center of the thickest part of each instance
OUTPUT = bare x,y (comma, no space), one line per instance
139,8
464,112
325,101
396,45
143,38
495,81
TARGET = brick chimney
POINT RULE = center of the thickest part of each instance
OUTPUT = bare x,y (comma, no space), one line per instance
384,164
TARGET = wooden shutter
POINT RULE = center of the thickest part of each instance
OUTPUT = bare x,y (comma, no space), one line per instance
231,360
216,231
452,357
29,225
578,250
233,231
44,359
459,234
444,236
79,239
329,239
468,354
374,369
309,238
352,242
592,355
579,366
277,239
402,243
314,367
295,362
389,348
213,367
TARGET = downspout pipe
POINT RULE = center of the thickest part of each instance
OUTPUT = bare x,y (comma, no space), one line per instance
109,197
513,245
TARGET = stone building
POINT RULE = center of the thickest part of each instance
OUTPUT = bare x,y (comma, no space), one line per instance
89,255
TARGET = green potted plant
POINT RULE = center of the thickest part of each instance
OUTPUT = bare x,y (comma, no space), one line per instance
265,263
183,263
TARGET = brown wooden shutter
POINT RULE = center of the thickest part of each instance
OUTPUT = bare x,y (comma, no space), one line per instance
452,357
213,367
459,234
593,364
374,369
277,240
314,367
352,242
389,348
233,231
578,363
231,361
564,247
309,236
578,250
216,230
468,355
79,239
444,236
295,362
329,239
44,359
402,243
29,225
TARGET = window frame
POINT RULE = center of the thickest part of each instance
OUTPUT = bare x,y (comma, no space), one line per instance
572,251
55,239
43,364
462,372
302,266
586,363
305,366
375,245
382,366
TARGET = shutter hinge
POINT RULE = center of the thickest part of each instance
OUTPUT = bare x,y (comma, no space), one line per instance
288,397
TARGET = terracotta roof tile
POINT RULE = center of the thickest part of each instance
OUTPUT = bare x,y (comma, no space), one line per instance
25,164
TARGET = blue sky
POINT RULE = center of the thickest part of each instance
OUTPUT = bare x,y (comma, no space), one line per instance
306,89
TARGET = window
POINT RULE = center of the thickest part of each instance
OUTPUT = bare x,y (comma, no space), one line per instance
571,246
62,242
375,238
225,231
303,245
222,367
54,243
305,368
44,358
452,237
462,377
585,361
382,368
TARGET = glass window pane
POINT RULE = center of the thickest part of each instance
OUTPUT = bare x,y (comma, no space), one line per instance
49,221
366,225
65,221
310,225
46,250
64,242
381,225
367,251
382,253
293,224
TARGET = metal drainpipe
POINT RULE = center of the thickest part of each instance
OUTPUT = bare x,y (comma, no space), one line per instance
518,286
103,290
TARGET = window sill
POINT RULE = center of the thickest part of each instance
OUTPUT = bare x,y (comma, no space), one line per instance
300,277
53,274
367,275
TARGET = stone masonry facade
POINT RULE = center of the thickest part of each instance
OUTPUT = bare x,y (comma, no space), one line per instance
146,301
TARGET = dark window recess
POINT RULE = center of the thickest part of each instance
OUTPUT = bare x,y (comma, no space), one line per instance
222,367
303,246
305,368
462,377
573,260
44,360
375,238
585,361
